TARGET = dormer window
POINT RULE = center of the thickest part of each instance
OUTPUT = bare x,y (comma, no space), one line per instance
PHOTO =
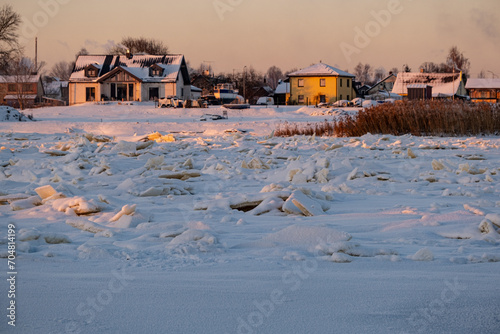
156,71
91,71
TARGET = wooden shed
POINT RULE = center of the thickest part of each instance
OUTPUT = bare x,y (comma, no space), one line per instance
419,92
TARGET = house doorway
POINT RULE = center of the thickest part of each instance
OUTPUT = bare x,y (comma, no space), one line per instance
121,92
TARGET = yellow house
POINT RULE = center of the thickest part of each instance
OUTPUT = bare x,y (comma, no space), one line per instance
320,83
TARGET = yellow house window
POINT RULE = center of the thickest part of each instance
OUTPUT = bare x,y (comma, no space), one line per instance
322,82
301,98
301,82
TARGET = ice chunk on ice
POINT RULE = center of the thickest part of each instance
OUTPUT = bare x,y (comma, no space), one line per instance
494,218
80,205
126,210
24,204
45,191
300,204
423,254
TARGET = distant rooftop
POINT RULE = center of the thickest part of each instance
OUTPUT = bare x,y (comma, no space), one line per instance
320,70
483,83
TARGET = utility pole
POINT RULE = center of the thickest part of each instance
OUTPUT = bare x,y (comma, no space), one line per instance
244,83
36,55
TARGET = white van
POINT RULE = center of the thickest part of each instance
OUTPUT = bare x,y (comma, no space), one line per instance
265,101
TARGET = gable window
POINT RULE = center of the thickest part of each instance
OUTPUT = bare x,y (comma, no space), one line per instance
340,82
322,82
301,82
91,72
301,98
12,87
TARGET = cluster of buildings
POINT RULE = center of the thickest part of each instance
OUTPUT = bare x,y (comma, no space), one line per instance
150,77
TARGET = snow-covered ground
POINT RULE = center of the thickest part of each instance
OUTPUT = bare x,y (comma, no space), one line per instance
131,219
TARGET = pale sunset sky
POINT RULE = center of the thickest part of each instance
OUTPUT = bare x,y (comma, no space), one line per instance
261,33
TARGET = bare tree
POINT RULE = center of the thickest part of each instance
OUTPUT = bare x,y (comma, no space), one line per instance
9,46
394,71
457,61
379,74
23,74
363,73
406,68
482,74
274,75
62,70
140,45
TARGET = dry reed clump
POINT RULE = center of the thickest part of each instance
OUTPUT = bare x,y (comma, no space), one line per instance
286,129
419,118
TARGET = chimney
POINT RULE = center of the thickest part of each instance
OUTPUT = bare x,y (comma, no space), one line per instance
129,54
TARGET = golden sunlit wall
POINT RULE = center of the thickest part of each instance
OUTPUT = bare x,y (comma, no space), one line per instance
314,90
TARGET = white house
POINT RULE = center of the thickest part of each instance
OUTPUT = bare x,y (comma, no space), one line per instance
129,78
444,85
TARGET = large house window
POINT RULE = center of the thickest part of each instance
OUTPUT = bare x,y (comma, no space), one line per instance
90,93
131,92
27,88
341,96
322,82
349,83
301,98
301,82
340,82
348,98
485,94
12,87
322,99
154,93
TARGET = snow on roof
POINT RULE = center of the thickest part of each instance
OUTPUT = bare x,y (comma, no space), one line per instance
15,97
283,88
418,86
14,78
443,84
137,65
483,83
196,89
320,70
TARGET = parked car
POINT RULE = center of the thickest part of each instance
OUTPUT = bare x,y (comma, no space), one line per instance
342,103
357,102
265,101
170,102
